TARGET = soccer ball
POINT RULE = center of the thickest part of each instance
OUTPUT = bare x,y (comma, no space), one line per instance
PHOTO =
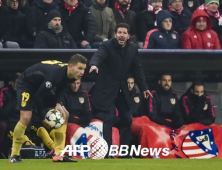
99,147
54,118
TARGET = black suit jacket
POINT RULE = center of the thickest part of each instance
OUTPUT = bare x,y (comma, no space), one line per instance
114,63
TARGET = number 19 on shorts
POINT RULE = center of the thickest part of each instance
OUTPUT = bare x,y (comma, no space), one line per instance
25,98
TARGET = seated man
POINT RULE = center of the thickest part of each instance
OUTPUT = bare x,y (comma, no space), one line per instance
200,35
76,101
123,14
105,22
37,16
164,37
54,36
211,7
77,19
165,104
146,20
136,99
181,16
196,106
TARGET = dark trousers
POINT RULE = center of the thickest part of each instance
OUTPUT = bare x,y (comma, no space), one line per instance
125,115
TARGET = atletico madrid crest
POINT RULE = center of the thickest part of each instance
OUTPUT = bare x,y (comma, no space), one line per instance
137,99
200,144
173,100
190,3
81,100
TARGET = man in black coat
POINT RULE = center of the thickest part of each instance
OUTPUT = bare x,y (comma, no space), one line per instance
164,107
197,107
114,59
37,16
54,36
122,13
182,16
77,19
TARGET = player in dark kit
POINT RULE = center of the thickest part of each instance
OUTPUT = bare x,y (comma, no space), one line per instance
34,83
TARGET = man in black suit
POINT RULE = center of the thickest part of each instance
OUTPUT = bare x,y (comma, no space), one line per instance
114,59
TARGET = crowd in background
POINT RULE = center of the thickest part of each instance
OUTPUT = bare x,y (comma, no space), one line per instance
85,24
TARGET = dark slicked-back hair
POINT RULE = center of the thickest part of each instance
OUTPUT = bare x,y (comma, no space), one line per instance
122,25
164,74
77,58
197,83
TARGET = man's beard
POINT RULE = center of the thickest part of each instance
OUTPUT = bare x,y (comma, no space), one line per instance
56,29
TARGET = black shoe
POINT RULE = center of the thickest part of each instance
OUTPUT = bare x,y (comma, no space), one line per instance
15,159
64,158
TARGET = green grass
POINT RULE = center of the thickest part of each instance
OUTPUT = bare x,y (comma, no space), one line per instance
116,164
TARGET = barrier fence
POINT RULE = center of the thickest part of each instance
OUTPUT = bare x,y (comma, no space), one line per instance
184,65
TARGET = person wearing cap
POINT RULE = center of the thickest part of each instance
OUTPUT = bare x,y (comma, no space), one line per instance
211,8
54,36
164,37
147,19
182,16
200,35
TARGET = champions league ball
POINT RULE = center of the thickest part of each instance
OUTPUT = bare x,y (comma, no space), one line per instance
54,118
99,147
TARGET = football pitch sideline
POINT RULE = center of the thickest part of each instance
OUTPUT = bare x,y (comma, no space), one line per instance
116,164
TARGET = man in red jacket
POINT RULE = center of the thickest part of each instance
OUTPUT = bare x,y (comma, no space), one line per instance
200,35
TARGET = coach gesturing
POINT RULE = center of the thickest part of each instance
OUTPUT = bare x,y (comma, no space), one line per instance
113,60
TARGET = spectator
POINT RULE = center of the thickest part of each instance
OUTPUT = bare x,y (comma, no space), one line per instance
211,8
200,35
77,19
4,28
76,101
23,5
164,37
37,15
196,106
193,4
54,36
105,21
17,24
146,20
139,6
164,107
182,16
123,14
190,5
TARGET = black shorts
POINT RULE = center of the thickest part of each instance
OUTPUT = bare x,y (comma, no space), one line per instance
25,96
